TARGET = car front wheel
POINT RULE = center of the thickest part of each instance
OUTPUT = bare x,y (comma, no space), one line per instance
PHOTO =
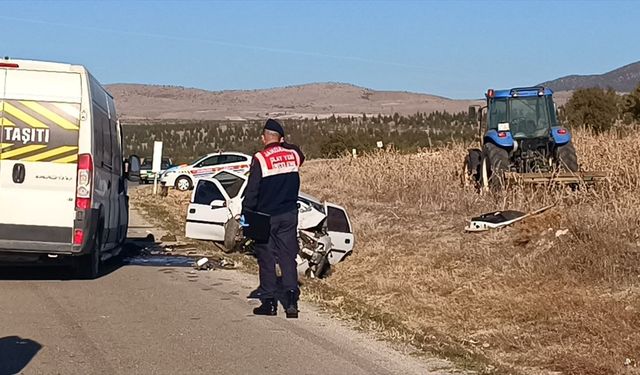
183,183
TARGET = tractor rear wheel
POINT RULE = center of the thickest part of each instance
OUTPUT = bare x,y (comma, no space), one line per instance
566,158
495,163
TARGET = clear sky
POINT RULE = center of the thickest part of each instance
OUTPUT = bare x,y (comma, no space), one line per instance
451,48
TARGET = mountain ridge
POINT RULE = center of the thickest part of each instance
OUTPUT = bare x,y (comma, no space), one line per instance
138,102
623,79
142,101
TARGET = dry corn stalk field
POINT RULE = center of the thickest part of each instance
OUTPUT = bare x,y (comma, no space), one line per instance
556,293
523,298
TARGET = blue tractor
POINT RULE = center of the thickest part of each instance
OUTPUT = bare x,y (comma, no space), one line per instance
520,136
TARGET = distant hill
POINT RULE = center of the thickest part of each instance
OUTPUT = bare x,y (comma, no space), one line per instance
624,79
138,102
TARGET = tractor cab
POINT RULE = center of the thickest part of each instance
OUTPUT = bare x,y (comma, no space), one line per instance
519,133
525,113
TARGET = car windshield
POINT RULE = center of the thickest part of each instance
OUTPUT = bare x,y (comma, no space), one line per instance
528,117
198,160
148,164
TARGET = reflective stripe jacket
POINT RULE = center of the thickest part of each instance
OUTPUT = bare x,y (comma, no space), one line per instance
274,181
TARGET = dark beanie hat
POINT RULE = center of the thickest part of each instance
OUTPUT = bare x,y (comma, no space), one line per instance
275,126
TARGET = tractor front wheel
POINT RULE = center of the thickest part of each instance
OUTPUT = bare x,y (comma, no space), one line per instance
471,167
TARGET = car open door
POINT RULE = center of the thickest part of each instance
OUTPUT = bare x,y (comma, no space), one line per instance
234,184
339,229
213,203
208,211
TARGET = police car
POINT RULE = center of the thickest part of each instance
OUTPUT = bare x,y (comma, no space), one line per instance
183,177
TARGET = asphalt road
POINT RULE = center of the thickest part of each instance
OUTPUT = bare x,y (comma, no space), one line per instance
173,320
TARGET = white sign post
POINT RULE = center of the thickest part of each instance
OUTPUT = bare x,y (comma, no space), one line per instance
157,164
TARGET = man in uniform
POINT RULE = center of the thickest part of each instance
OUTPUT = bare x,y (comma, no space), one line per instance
272,189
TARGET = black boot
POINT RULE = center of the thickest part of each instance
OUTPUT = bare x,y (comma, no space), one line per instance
257,293
268,307
292,304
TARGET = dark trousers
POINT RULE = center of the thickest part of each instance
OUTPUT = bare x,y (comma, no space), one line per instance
282,248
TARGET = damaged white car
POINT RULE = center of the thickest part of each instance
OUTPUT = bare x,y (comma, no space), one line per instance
324,230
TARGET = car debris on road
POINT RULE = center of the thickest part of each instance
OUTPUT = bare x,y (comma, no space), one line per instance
203,264
206,264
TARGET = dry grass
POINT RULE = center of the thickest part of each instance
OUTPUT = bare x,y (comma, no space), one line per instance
522,298
518,300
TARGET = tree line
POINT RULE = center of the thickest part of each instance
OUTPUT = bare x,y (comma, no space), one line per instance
185,141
